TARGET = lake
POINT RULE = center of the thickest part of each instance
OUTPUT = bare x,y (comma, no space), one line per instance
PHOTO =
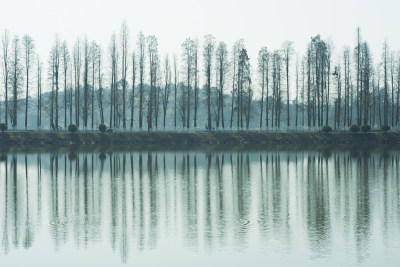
194,208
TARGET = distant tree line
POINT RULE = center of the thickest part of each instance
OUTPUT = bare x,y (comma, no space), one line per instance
130,86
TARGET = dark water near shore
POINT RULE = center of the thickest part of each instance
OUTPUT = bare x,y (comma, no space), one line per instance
303,208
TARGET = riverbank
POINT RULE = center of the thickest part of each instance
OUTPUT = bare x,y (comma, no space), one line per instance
195,139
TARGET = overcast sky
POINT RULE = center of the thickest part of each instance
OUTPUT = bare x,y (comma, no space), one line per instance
261,23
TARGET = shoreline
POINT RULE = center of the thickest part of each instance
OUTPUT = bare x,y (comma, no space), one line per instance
194,139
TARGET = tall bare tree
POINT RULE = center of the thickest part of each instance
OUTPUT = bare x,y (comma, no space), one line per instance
276,89
141,48
263,60
114,83
358,72
297,91
175,88
196,81
239,45
152,49
16,78
167,86
287,51
86,82
77,77
222,71
39,93
99,81
66,61
94,48
124,53
188,47
398,91
29,47
133,86
385,53
5,42
392,85
208,51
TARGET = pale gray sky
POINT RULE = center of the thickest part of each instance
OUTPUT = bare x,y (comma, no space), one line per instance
261,23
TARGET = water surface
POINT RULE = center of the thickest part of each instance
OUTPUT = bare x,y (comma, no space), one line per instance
277,208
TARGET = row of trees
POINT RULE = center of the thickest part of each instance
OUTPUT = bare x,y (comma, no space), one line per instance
81,89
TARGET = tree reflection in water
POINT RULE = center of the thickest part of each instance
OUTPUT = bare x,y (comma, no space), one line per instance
204,201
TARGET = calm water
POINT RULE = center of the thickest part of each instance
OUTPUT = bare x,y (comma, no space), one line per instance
300,208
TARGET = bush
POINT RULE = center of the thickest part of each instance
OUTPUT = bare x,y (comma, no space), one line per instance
72,128
327,129
102,128
3,127
354,128
365,128
385,128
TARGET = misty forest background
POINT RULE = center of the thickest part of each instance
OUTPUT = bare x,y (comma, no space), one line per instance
130,86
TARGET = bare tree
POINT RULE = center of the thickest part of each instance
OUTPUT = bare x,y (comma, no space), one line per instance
392,85
100,79
386,97
56,73
94,47
398,91
287,51
29,47
365,81
222,70
77,76
152,48
239,45
114,85
16,78
141,47
244,89
6,61
175,88
208,51
358,70
276,89
124,50
167,85
66,61
196,81
39,93
346,111
263,60
188,47
297,91
85,83
133,86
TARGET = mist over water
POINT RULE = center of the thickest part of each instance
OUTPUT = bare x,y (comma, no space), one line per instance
299,208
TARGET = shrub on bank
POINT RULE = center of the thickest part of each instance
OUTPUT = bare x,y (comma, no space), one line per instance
385,128
102,128
3,127
365,128
327,129
354,128
72,128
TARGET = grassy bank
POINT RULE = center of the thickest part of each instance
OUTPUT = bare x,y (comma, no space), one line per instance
65,139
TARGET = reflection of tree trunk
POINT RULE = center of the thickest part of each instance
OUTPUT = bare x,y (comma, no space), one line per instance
208,222
141,201
113,202
5,241
28,230
15,237
124,229
39,188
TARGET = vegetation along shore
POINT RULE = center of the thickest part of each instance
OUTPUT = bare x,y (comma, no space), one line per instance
188,139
